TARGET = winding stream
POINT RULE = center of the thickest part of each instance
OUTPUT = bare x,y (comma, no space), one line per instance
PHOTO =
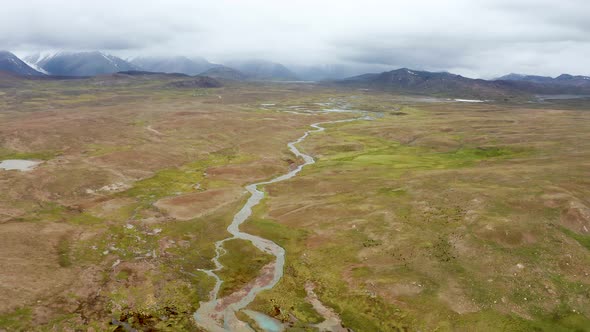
219,314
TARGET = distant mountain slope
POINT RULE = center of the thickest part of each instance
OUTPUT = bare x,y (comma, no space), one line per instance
324,72
447,84
12,64
225,73
525,78
414,81
563,79
196,82
577,80
80,63
264,70
333,71
173,64
150,73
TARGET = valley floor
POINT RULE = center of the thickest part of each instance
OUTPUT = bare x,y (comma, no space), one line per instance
435,215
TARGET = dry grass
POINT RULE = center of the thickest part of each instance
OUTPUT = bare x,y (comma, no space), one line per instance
452,214
435,216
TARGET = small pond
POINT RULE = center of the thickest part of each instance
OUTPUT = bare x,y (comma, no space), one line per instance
18,164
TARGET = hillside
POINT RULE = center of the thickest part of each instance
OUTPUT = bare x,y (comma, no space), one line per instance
80,63
226,73
423,82
264,70
563,79
173,64
451,85
12,64
196,82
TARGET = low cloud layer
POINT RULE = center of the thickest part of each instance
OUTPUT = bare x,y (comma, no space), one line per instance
482,38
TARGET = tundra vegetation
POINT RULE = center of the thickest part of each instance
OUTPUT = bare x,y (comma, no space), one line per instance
435,215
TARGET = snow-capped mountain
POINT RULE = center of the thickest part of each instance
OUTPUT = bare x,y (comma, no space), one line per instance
11,63
79,63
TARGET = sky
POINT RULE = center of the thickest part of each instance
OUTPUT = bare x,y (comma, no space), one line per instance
475,38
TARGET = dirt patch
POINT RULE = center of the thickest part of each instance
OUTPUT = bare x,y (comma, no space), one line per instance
246,173
190,206
506,236
555,200
7,213
576,217
398,290
37,273
455,298
29,260
110,207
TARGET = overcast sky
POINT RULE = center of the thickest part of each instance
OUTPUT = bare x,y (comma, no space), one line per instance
476,38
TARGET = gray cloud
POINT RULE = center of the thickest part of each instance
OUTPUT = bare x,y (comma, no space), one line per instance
481,38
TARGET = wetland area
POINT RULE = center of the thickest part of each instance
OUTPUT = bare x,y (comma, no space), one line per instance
131,205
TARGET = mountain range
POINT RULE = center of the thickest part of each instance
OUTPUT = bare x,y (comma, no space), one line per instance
226,73
79,63
563,79
173,64
83,64
447,84
98,63
263,70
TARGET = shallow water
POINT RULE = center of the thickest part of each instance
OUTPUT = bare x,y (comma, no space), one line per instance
266,323
18,164
469,100
214,315
560,97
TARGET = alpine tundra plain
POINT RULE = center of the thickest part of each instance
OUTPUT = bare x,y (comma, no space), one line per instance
408,213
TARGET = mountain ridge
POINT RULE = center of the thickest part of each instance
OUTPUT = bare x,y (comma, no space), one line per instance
92,63
13,64
89,63
444,83
226,73
258,69
173,64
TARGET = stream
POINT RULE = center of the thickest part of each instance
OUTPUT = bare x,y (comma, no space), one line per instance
219,314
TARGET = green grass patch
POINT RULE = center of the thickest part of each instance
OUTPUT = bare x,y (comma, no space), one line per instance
177,301
409,157
96,150
85,219
122,275
17,320
49,211
197,237
55,212
129,242
38,155
242,264
357,151
323,266
289,294
170,182
584,240
488,320
361,272
64,252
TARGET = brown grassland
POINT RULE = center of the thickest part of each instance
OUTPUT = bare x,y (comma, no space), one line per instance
434,216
